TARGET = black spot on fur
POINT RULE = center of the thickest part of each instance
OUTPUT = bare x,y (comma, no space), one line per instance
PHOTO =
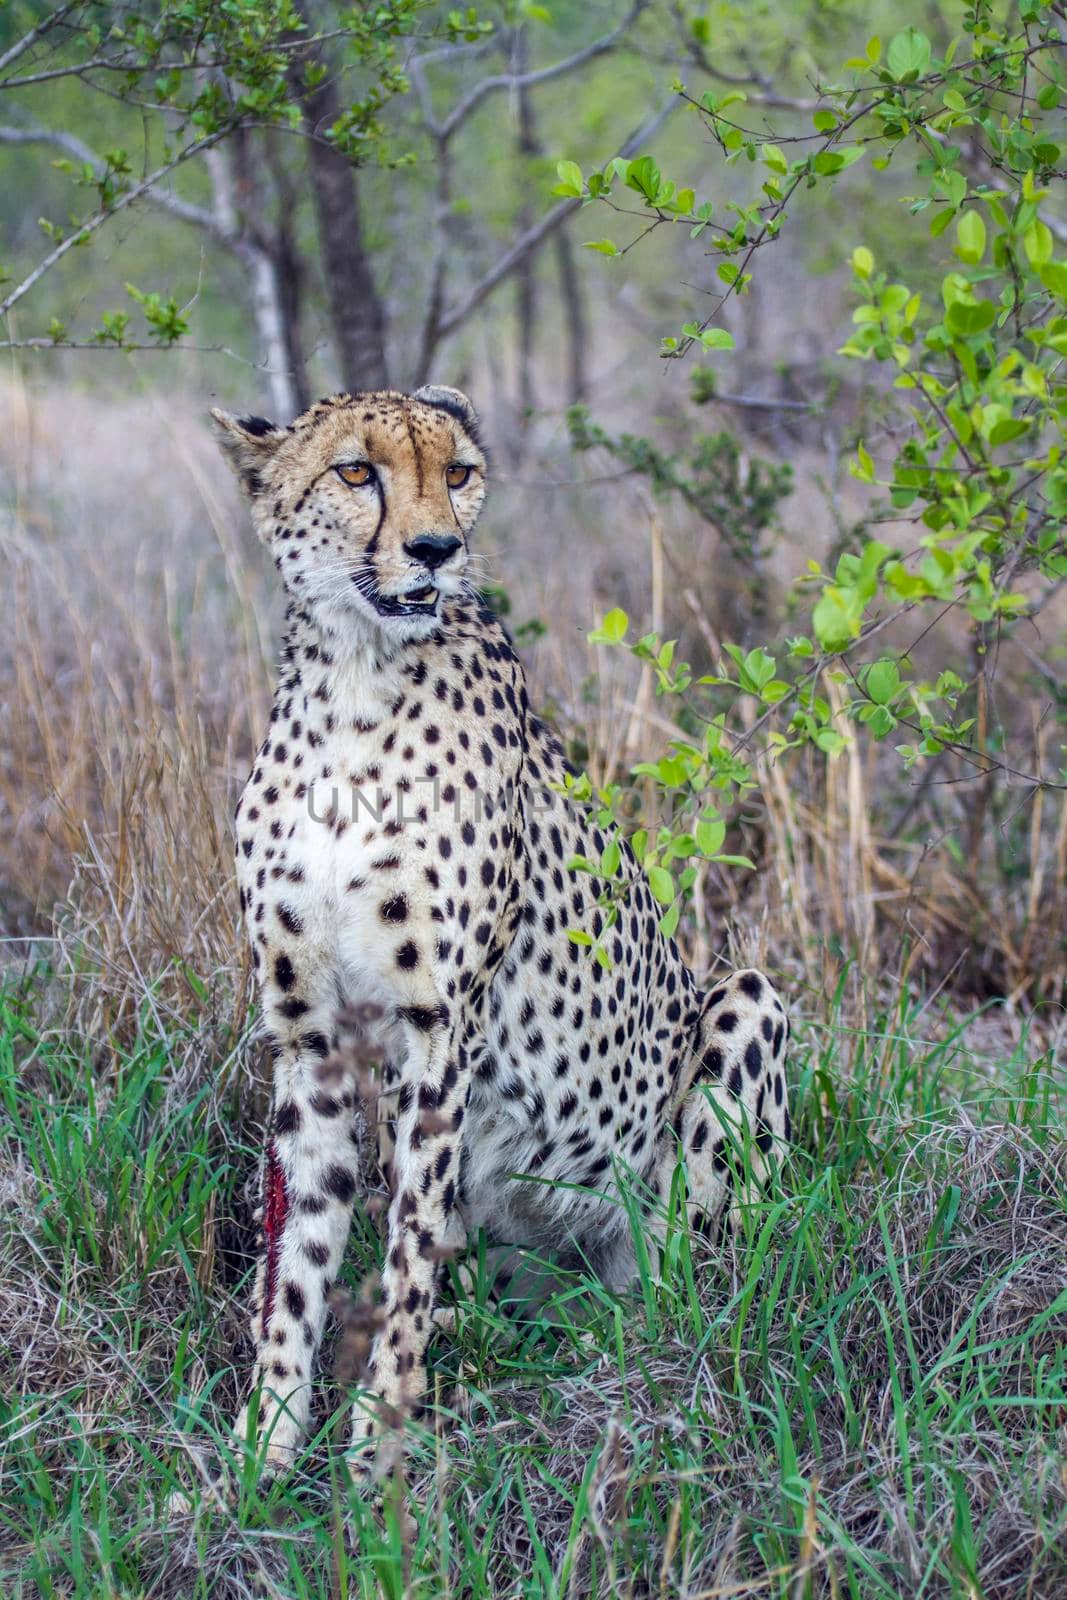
256,426
339,1182
287,1117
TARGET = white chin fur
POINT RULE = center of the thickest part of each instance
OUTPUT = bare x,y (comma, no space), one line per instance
356,620
350,616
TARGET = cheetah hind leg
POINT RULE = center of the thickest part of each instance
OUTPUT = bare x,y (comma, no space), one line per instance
506,1279
736,1082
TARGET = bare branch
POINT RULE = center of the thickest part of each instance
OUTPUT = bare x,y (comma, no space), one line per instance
752,402
534,237
63,141
45,25
766,96
75,147
220,222
120,347
75,69
529,80
98,219
131,62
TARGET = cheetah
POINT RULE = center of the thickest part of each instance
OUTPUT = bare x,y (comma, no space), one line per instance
402,842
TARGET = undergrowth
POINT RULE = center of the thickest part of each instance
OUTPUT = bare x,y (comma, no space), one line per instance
861,1395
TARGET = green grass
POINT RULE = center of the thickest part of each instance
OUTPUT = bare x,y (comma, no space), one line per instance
863,1396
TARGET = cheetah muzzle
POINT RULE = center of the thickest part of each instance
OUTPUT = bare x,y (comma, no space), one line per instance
401,843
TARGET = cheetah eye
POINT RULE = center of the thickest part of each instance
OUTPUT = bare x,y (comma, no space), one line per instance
357,474
457,475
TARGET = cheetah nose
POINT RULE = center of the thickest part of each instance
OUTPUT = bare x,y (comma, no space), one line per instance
432,548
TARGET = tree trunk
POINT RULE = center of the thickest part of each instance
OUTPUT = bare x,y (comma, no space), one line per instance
528,146
289,274
575,319
356,312
269,313
238,200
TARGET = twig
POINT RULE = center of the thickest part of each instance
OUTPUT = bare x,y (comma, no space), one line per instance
751,402
185,209
96,221
536,235
20,47
529,80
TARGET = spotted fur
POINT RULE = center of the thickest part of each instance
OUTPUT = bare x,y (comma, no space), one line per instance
400,842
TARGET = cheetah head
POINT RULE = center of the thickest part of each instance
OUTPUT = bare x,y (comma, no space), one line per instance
366,502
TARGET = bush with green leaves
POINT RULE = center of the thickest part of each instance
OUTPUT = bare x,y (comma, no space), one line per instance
199,74
976,490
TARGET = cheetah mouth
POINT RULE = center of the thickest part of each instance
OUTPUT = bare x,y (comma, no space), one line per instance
416,603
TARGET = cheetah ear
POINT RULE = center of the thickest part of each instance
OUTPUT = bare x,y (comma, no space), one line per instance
248,443
454,401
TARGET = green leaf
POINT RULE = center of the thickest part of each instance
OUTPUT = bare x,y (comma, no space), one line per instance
1006,430
774,692
834,621
717,339
610,859
968,319
970,237
883,681
612,630
603,247
862,261
1037,242
669,921
908,55
829,162
662,884
644,177
570,178
710,833
1054,277
757,669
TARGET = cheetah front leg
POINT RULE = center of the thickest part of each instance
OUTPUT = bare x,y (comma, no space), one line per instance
310,1172
425,1175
